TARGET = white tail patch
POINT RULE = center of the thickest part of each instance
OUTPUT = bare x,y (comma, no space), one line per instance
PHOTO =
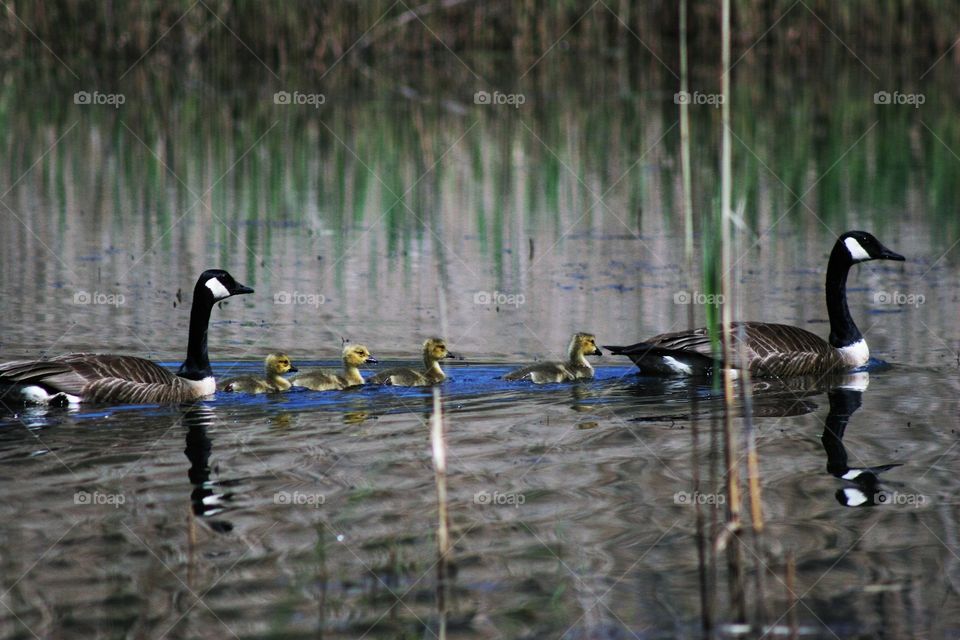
34,394
856,354
856,250
677,366
217,289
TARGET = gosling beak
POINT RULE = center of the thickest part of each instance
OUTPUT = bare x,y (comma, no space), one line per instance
450,355
372,360
596,352
240,289
293,369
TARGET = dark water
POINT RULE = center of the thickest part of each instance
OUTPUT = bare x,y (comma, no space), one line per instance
400,209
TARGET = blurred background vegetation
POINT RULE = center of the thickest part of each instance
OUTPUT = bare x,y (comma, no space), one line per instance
315,34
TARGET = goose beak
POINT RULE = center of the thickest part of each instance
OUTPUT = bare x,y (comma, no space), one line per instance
372,360
240,289
886,254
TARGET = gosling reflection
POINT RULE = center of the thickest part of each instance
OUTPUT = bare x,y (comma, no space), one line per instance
207,498
863,487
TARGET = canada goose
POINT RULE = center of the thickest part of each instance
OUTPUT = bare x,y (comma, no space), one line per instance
434,350
275,365
354,357
576,366
776,349
89,377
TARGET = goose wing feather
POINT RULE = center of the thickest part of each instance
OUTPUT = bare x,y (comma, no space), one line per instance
72,373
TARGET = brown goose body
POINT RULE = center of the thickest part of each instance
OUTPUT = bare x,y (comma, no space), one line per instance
119,379
776,350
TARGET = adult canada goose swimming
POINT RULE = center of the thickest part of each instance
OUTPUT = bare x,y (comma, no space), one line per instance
90,377
275,365
354,357
776,349
575,367
434,350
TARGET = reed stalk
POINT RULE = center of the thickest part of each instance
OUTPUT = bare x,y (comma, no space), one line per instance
439,446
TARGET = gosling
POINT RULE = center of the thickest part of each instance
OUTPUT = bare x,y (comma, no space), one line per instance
434,350
354,357
575,368
275,365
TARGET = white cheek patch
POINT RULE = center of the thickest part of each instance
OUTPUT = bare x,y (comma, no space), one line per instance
217,289
856,250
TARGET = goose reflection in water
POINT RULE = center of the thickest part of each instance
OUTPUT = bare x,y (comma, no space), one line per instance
863,487
208,498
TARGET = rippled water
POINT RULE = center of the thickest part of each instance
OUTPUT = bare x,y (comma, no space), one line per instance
572,506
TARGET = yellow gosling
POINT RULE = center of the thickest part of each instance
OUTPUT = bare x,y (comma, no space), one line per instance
434,350
275,365
354,357
575,367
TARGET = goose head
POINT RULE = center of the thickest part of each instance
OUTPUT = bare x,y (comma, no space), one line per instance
278,364
357,355
434,350
215,285
860,246
584,344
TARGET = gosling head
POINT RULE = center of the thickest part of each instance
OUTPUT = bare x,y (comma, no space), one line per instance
860,246
357,355
584,344
435,349
278,364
